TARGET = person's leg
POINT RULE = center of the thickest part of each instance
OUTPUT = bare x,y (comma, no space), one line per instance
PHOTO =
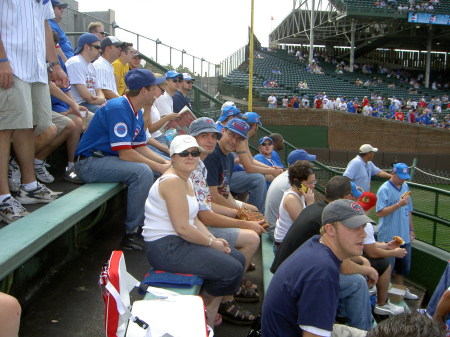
65,127
247,243
254,184
24,150
10,312
403,266
442,286
383,286
91,107
212,306
43,136
137,176
74,137
5,146
354,301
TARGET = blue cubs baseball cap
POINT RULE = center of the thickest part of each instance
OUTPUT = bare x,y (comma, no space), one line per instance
238,126
300,155
356,190
59,4
86,38
139,78
228,111
252,117
401,170
173,74
202,125
263,139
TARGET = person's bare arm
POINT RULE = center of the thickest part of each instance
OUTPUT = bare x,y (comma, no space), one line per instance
443,307
383,174
135,156
158,145
152,127
57,75
148,153
391,209
212,219
85,94
350,267
218,198
6,72
373,251
108,94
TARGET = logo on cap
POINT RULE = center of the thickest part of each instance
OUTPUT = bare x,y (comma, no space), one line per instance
240,126
357,207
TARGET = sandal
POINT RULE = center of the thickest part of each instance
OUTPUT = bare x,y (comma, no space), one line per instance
245,283
231,311
218,320
249,295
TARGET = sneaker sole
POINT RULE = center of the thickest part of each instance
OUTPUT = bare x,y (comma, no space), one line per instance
7,220
30,201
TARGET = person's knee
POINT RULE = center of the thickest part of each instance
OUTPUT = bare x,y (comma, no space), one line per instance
248,239
144,173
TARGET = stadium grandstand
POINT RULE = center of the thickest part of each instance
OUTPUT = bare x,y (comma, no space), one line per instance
355,53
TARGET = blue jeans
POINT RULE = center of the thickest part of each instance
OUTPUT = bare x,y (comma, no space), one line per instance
254,184
354,301
110,169
90,107
222,273
161,140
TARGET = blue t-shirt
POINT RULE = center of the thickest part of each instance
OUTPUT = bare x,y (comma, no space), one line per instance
351,107
64,42
360,172
115,126
179,101
396,223
58,105
273,161
302,292
220,169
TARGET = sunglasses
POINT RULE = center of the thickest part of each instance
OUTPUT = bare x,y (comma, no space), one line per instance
190,82
162,90
101,33
95,46
266,144
175,80
193,153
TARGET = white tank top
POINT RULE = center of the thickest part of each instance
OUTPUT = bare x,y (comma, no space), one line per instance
157,222
284,221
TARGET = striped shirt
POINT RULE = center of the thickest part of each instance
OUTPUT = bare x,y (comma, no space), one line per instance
22,32
396,223
105,74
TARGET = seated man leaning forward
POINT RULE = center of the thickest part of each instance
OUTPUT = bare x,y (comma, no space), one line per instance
303,296
113,149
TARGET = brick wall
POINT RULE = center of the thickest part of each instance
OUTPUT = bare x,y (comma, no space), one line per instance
347,132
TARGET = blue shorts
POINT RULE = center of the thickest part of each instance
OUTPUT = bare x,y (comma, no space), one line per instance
402,266
228,233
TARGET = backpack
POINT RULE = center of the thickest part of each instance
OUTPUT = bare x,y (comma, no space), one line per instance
169,314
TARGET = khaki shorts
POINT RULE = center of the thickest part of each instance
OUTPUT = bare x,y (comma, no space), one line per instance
25,105
85,120
58,120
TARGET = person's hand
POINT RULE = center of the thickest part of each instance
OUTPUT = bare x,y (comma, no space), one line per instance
172,116
256,226
400,252
250,207
59,77
219,245
276,171
309,196
163,167
412,235
372,276
403,202
6,75
392,245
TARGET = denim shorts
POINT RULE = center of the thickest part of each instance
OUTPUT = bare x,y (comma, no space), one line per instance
230,234
402,266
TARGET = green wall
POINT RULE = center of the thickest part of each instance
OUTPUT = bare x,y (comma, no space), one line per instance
303,136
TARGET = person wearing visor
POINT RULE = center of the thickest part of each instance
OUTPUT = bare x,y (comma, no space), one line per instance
177,241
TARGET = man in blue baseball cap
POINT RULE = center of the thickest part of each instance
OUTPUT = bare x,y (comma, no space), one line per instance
85,88
164,103
113,149
268,156
228,113
394,209
180,98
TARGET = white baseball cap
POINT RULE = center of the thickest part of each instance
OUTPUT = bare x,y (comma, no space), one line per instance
366,148
183,142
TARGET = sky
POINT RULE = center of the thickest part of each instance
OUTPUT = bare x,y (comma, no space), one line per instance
207,29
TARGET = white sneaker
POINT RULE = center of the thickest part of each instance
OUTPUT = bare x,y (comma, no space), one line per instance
14,177
42,174
373,290
410,296
388,309
39,194
11,210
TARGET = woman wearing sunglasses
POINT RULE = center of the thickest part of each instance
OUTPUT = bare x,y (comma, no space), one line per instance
176,240
301,194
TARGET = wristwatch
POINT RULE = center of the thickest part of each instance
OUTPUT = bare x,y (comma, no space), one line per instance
51,65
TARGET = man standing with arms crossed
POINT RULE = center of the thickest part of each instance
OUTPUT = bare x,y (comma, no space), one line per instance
24,95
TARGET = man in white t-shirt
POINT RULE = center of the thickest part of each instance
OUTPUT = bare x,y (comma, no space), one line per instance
103,66
85,89
164,103
272,100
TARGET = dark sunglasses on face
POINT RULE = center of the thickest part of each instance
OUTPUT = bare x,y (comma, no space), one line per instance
95,46
190,82
101,33
266,144
162,90
193,153
175,80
